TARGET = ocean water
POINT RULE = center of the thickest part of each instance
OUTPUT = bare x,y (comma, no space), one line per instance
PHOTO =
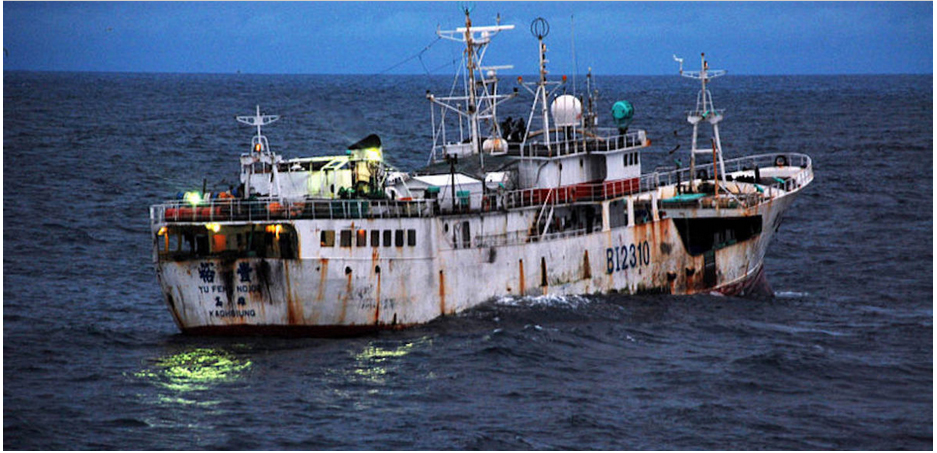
840,358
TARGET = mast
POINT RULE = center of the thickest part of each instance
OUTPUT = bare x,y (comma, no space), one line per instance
705,111
540,28
470,66
481,97
260,148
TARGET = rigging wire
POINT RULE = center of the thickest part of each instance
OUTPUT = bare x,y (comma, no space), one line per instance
417,55
450,63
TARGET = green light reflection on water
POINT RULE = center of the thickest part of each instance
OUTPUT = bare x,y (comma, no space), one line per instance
196,369
374,364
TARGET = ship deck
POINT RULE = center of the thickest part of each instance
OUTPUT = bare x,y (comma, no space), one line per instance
772,181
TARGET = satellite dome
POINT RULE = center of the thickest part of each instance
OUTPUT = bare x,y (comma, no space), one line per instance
567,111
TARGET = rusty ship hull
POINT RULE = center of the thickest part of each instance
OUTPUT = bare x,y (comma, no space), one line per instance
362,271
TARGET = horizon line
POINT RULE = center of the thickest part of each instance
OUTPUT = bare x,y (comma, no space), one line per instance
66,71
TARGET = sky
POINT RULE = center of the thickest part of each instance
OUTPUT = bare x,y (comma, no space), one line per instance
759,38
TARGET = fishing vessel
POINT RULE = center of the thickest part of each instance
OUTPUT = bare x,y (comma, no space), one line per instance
554,205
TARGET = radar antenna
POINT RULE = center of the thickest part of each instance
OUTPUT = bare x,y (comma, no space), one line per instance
258,142
679,60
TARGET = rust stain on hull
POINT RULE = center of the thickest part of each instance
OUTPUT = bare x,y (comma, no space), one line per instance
294,308
377,309
173,310
345,296
586,268
523,287
323,273
442,293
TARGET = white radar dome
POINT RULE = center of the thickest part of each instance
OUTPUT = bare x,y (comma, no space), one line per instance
567,111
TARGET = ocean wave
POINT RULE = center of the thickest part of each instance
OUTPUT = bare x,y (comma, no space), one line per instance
791,295
549,300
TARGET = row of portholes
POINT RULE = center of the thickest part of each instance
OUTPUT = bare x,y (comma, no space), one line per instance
391,238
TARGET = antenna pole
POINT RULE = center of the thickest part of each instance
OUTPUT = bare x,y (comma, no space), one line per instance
572,38
470,56
705,111
259,122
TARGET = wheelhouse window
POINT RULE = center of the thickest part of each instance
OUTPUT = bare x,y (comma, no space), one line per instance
327,238
190,242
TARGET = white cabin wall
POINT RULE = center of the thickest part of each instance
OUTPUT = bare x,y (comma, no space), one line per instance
294,184
260,183
618,168
576,169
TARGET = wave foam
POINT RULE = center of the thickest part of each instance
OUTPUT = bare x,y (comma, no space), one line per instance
790,294
549,300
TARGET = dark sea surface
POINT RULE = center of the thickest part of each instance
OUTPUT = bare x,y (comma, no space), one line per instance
840,358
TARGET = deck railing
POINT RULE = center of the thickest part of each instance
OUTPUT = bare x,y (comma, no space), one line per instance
747,163
599,140
521,237
278,209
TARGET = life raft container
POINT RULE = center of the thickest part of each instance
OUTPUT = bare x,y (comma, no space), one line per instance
186,213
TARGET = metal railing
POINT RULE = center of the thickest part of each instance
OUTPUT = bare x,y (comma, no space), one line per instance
276,209
599,140
747,163
521,237
569,194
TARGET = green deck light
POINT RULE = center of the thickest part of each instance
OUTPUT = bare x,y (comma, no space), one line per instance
193,198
